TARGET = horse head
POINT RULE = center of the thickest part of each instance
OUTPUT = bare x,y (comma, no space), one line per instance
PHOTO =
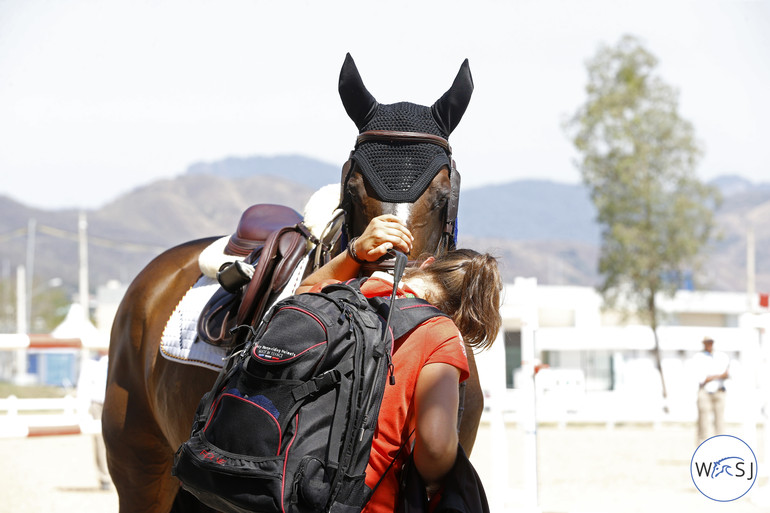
402,162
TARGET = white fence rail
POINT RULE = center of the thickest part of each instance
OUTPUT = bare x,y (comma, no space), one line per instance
21,417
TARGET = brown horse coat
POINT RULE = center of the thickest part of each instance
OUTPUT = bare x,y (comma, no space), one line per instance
150,401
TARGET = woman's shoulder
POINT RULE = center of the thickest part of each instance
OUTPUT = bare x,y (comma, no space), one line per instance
436,331
442,324
440,341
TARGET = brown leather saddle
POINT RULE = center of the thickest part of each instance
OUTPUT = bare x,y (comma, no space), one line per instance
274,241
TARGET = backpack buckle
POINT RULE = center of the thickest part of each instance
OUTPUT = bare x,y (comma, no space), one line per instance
319,384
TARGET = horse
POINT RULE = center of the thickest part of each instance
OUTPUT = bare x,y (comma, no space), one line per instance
150,401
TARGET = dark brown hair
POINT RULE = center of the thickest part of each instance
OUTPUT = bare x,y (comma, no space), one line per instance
466,285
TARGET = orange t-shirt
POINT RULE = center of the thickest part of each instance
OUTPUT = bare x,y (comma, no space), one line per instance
434,341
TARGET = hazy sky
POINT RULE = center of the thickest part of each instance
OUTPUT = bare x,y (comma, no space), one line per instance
97,97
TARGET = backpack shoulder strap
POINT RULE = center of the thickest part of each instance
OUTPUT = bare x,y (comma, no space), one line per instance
351,287
407,315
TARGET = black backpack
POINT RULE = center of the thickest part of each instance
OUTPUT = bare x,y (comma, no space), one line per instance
288,425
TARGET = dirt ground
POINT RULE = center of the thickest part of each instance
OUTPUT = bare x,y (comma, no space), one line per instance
52,474
598,470
580,470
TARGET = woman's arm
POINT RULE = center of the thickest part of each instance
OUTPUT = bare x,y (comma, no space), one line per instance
437,399
383,233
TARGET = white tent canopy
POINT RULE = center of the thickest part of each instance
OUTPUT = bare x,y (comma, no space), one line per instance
77,325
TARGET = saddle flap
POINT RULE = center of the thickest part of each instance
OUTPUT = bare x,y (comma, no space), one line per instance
269,238
216,318
292,246
279,256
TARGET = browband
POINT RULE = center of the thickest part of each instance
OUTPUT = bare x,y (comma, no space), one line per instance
391,136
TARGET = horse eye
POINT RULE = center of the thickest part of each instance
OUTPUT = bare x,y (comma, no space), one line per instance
352,192
441,200
355,189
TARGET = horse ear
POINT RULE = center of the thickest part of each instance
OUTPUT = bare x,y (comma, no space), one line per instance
449,109
359,103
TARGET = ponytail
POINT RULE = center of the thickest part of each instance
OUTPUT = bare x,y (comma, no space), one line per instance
467,287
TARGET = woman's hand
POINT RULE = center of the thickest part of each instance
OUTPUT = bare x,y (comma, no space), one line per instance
381,234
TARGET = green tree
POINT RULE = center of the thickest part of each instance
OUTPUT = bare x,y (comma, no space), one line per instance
638,157
49,306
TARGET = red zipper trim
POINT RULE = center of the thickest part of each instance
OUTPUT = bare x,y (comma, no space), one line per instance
280,435
285,459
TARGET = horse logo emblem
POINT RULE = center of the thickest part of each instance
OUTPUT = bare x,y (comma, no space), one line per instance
724,478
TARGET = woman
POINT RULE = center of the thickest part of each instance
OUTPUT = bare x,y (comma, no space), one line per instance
430,361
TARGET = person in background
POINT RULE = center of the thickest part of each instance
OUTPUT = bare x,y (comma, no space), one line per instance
430,361
712,369
91,385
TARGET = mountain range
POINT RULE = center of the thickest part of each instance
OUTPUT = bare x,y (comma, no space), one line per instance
538,228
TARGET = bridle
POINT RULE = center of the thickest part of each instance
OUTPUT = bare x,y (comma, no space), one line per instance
449,234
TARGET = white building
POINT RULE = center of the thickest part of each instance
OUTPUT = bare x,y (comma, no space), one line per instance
597,367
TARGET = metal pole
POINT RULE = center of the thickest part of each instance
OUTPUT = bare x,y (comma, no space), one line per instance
529,414
31,228
21,300
764,348
83,264
20,363
7,307
83,280
499,491
750,271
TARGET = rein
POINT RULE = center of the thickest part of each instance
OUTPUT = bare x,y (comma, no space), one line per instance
387,263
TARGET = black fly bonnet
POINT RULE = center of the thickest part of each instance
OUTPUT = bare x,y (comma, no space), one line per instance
402,146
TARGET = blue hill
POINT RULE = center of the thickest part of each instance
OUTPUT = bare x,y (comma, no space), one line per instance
535,210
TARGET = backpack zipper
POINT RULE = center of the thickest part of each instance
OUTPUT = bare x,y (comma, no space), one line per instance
346,314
